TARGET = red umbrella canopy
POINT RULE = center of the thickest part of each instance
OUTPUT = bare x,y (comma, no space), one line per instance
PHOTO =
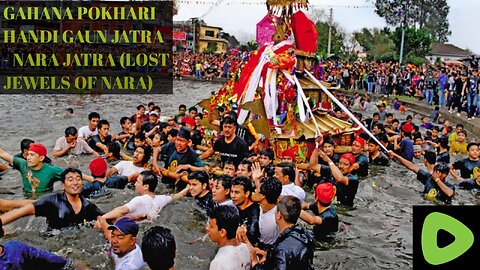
306,34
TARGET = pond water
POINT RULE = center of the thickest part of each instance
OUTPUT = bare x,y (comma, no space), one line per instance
375,234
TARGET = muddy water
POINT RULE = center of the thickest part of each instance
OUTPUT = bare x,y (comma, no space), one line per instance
375,234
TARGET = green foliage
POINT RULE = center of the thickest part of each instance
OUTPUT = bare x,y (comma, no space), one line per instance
337,42
250,46
429,14
377,44
417,42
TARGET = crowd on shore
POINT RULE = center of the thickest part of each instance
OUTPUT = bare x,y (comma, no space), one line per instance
254,197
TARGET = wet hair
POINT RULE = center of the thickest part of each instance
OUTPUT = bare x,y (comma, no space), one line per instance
229,120
409,117
173,133
243,181
395,121
288,170
459,125
140,107
229,162
227,217
469,145
140,136
157,108
193,109
380,126
271,188
268,153
436,128
182,106
71,131
163,125
123,120
102,123
430,157
93,115
147,152
150,179
329,141
69,170
376,114
248,163
199,115
25,144
225,180
442,167
383,137
158,248
443,141
290,208
364,136
201,176
114,149
151,103
389,115
69,110
464,132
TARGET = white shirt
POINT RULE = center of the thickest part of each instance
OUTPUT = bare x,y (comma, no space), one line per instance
84,131
268,227
131,261
232,258
146,205
294,190
81,147
127,168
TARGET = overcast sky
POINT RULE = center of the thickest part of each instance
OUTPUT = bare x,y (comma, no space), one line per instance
240,19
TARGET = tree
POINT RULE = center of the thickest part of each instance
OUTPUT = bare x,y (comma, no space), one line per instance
377,44
417,42
337,42
429,14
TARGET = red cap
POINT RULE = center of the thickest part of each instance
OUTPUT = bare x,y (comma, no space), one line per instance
288,153
38,148
98,167
325,192
408,128
349,157
360,141
188,120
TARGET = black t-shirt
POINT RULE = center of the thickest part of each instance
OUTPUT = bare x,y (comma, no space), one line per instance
381,160
206,202
147,126
444,157
249,217
469,184
362,162
346,193
329,226
236,150
432,190
59,211
468,168
96,139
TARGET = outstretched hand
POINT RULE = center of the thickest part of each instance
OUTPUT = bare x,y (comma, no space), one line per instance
257,171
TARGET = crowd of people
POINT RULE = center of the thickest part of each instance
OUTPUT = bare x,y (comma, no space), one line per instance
253,199
207,66
453,87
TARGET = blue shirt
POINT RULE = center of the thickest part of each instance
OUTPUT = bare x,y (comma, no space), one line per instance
406,149
431,189
17,255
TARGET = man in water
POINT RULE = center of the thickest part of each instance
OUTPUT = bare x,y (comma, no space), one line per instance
100,141
36,175
146,204
71,144
123,237
222,228
159,248
127,171
62,210
294,246
87,132
17,255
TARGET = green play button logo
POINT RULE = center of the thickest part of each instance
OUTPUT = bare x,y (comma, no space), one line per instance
433,223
